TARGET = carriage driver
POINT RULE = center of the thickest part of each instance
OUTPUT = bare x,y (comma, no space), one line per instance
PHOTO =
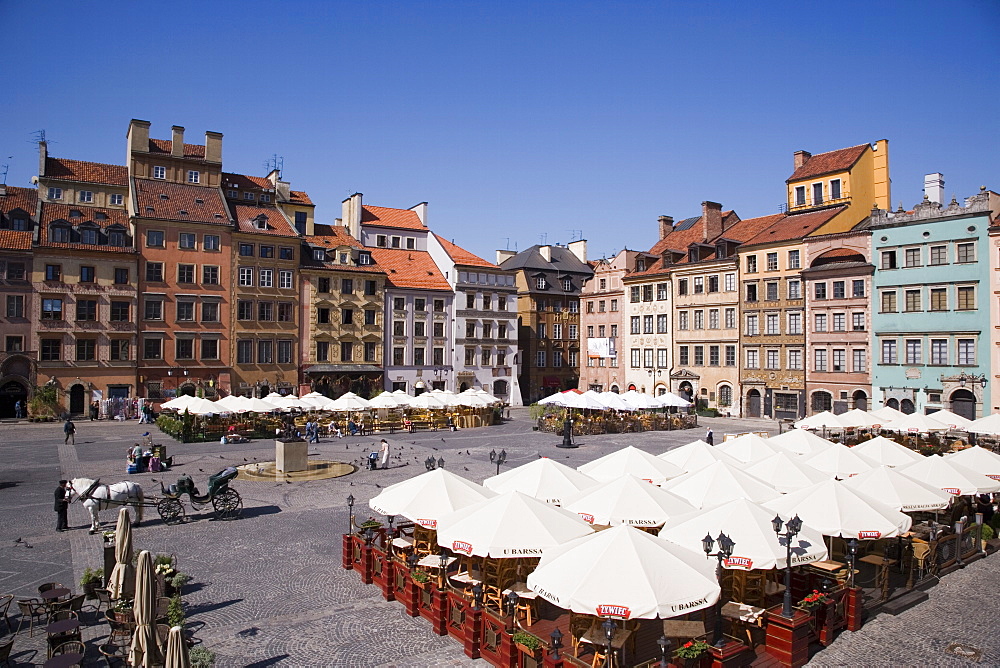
62,506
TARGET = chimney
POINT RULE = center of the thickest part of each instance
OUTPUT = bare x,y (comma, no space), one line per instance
545,252
177,141
934,187
43,154
213,146
666,225
579,249
351,214
138,136
711,220
504,255
421,211
801,158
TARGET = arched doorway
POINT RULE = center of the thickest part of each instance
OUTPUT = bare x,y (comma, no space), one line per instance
463,387
686,391
963,403
77,400
860,400
906,406
892,403
631,387
188,389
614,388
753,403
10,393
822,401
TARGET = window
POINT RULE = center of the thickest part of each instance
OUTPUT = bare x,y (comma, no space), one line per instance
800,195
819,360
154,238
820,322
817,193
771,290
154,272
966,298
699,355
683,358
819,290
153,309
751,264
647,293
840,322
347,286
539,358
772,262
322,351
839,290
265,311
210,312
889,301
913,300
912,257
730,355
346,351
794,288
211,242
713,318
119,350
858,322
682,320
540,283
889,351
244,351
420,327
194,176
86,309
730,282
602,306
52,309
121,276
284,351
301,218
773,359
635,325
858,288
834,189
771,324
794,323
557,330
567,284
55,193
210,275
939,351
794,359
265,352
753,359
53,272
647,358
185,273
634,294
244,309
265,278
730,318
858,362
15,271
394,242
913,355
284,312
246,250
370,320
116,238
713,283
839,360
184,349
88,236
557,358
187,240
751,292
939,299
370,351
15,306
86,274
159,172
152,348
487,357
51,350
699,319
399,328
965,252
752,325
661,292
246,276
419,305
574,332
85,196
939,255
699,285
888,259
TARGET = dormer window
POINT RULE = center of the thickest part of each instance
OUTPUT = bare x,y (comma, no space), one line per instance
567,284
248,196
800,195
74,213
100,215
319,255
116,238
164,196
150,209
343,258
260,222
265,198
19,224
183,212
817,193
640,264
88,236
198,200
834,188
540,283
364,258
59,234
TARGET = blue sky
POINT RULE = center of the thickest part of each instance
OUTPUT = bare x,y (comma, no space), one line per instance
518,119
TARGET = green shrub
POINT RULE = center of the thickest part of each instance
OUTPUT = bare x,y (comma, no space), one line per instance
526,639
988,532
201,657
175,612
92,576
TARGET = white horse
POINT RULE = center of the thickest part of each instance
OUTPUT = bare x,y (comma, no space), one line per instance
102,497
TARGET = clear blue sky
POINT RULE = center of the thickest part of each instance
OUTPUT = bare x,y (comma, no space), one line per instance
516,119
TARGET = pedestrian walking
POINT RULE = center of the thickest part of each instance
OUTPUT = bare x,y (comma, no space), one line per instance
18,409
709,437
95,408
62,506
383,451
70,430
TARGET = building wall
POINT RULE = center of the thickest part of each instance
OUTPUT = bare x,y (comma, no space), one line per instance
426,308
493,332
647,355
603,317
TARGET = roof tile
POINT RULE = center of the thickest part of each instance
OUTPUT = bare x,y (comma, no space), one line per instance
300,197
25,199
385,217
87,172
410,269
462,256
15,240
246,182
793,227
163,200
166,146
332,236
277,225
101,217
825,163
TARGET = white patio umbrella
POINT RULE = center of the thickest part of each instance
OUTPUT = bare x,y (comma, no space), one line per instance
589,400
544,479
176,655
916,423
145,650
888,414
565,399
839,461
228,403
696,455
122,574
614,401
824,420
447,397
427,401
989,424
349,402
178,403
625,572
400,393
886,452
471,400
785,472
640,401
387,400
200,406
801,442
859,419
255,405
748,448
978,459
274,395
511,525
429,496
313,395
485,395
953,420
671,400
627,500
290,402
886,484
630,461
949,475
836,510
319,403
597,398
718,483
748,524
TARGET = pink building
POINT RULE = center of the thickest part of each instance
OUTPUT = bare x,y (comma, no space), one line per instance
602,300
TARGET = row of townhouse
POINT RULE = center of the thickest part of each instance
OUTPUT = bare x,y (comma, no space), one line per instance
834,303
168,275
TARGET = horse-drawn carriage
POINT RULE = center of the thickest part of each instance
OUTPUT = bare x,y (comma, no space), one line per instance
226,501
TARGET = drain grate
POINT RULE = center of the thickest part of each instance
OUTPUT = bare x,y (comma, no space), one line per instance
967,652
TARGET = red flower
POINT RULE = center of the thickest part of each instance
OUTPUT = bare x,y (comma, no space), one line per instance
688,644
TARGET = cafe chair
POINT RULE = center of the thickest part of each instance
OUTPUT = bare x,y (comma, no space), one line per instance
42,588
5,602
5,652
31,608
71,647
114,656
103,599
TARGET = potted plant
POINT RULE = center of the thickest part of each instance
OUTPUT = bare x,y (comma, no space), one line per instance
175,583
122,610
201,657
91,580
815,600
691,652
175,612
421,578
527,643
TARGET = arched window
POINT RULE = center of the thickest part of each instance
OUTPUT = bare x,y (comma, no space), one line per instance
725,395
860,400
892,403
907,407
822,401
500,388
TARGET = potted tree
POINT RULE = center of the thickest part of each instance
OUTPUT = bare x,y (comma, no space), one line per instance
91,580
528,644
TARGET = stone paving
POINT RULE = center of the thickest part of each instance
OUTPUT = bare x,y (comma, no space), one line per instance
268,589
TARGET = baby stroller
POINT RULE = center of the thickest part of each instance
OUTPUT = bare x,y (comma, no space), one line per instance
372,461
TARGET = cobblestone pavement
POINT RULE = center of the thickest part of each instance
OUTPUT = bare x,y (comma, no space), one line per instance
268,589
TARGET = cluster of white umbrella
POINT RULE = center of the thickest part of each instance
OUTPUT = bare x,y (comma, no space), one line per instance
602,401
890,419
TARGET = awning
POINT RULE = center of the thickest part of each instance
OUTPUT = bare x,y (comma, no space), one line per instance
343,368
551,381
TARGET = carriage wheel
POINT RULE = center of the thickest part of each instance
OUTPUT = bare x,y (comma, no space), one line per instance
228,505
171,510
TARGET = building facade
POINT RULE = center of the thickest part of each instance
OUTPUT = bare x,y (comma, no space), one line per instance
602,321
18,361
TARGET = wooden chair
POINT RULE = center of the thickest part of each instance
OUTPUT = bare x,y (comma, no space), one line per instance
162,603
103,599
113,655
5,602
578,627
71,647
31,608
60,615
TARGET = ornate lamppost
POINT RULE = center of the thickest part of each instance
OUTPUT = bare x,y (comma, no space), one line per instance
792,528
726,545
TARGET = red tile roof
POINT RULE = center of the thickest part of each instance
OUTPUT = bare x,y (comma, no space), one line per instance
101,217
166,146
87,172
410,269
751,227
25,199
203,205
462,256
332,236
277,224
299,197
246,182
15,240
385,217
825,163
793,227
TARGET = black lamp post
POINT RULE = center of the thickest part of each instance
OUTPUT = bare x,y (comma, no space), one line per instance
350,513
512,606
609,634
390,535
411,560
726,545
444,567
477,596
498,459
852,554
664,643
567,441
555,643
792,528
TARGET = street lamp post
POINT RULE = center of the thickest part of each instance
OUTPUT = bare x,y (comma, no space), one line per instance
350,513
609,635
498,459
567,441
792,528
664,643
726,545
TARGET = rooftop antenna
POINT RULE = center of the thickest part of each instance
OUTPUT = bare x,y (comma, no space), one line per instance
5,167
39,137
508,242
275,162
543,237
575,234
